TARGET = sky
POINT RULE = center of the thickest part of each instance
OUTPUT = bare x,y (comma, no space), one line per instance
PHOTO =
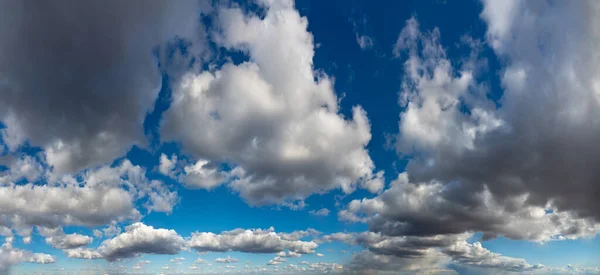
299,137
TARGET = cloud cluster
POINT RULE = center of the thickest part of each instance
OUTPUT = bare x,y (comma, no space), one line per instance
285,135
421,253
479,167
432,208
540,140
95,197
10,256
251,241
83,96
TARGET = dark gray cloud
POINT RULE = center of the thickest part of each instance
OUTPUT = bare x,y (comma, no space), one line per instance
77,77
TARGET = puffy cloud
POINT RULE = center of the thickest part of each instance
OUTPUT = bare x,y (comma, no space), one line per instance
83,253
432,208
419,253
519,157
139,238
321,212
98,56
285,136
166,164
58,239
289,254
474,255
25,168
95,197
226,260
202,175
10,256
251,241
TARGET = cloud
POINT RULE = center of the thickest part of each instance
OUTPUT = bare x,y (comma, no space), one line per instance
226,260
10,256
58,239
419,253
536,144
289,254
321,212
250,241
408,208
277,260
286,137
166,164
94,197
139,238
83,253
364,41
84,95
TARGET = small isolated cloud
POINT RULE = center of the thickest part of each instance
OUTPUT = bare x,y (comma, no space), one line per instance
228,259
321,212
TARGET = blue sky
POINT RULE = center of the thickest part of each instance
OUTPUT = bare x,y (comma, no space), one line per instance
351,137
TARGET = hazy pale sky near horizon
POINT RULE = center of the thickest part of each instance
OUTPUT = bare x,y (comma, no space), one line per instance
299,137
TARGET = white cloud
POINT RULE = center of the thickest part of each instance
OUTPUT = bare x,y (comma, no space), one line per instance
202,175
321,212
139,238
58,239
166,164
83,253
10,256
95,197
285,134
228,259
251,241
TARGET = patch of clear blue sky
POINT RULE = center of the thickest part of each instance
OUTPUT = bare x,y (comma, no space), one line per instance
370,78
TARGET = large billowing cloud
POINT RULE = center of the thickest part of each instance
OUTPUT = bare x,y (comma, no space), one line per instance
139,238
541,140
520,169
77,79
274,117
251,241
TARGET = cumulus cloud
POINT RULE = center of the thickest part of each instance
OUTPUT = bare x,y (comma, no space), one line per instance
83,96
408,208
83,253
226,260
139,238
95,197
10,256
540,140
57,238
251,241
420,253
285,136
